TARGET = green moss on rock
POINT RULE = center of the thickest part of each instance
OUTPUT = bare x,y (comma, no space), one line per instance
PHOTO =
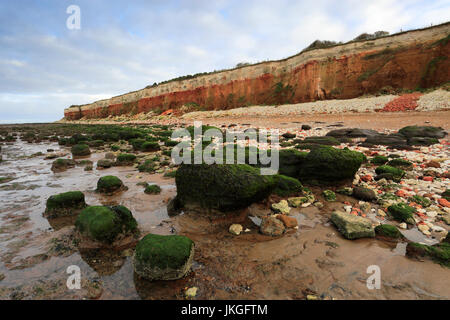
152,189
81,150
330,165
65,204
286,186
125,159
390,172
222,187
109,184
379,160
387,230
104,224
329,195
424,202
402,212
400,163
439,252
159,257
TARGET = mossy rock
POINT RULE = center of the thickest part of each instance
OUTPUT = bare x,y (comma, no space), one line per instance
109,184
80,150
159,257
170,174
379,160
325,165
287,186
105,163
190,129
352,227
422,141
290,161
104,224
446,194
439,252
62,164
222,186
402,212
422,131
170,143
150,146
115,147
329,195
424,202
125,159
389,231
152,189
400,163
65,204
326,140
96,143
390,172
147,166
363,193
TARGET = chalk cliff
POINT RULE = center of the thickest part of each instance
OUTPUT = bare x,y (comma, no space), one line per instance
408,60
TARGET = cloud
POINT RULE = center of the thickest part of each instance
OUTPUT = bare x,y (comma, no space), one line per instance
44,67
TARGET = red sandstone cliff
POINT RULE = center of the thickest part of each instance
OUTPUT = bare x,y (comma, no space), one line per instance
409,60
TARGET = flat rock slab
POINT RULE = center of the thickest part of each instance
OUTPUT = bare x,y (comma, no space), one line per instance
352,227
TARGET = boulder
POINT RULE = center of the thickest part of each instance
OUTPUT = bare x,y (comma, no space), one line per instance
61,164
65,204
352,133
329,195
306,127
221,186
290,161
286,186
422,141
104,163
109,184
271,226
402,212
289,222
352,227
389,172
80,150
393,140
330,165
389,231
363,193
159,257
439,252
104,224
422,131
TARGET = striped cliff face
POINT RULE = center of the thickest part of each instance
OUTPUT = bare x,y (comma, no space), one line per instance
410,60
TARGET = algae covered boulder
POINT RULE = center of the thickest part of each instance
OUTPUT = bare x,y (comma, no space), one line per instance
109,184
65,204
330,165
152,189
221,186
104,224
439,252
125,159
389,231
389,172
352,227
290,161
402,212
422,131
62,164
159,257
363,193
286,186
80,150
105,163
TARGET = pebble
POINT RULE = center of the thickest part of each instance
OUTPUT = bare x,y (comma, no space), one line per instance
403,226
191,292
235,229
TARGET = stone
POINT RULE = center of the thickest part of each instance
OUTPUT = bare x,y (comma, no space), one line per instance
104,163
159,257
65,204
282,207
296,202
352,227
289,222
329,195
403,225
423,131
352,133
109,184
104,224
272,226
363,193
387,230
80,150
191,292
61,164
402,212
306,127
235,229
444,202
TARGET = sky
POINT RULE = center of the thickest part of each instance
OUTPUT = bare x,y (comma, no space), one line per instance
123,46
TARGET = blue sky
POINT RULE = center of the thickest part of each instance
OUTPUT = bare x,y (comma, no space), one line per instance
126,45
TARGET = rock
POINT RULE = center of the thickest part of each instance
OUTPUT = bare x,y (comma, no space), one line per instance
306,127
363,193
65,204
402,212
446,194
400,163
381,213
439,252
125,159
289,222
2,276
289,135
60,165
403,226
328,141
352,133
286,186
104,163
393,140
379,160
271,226
387,230
367,178
446,218
424,202
423,131
290,161
109,184
104,224
444,202
352,227
79,150
329,195
191,292
347,191
152,189
390,173
282,207
318,204
235,229
222,187
110,156
330,165
159,257
296,202
422,141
